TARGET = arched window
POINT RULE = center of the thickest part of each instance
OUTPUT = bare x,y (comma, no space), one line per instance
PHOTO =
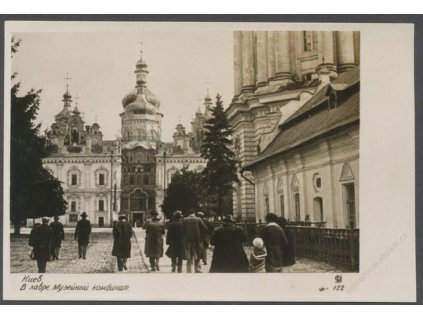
138,200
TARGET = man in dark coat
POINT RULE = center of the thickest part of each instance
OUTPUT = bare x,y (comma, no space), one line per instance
40,240
275,241
194,229
82,234
58,237
122,234
228,254
154,242
289,251
205,237
175,234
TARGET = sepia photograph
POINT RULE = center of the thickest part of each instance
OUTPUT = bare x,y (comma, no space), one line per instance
176,152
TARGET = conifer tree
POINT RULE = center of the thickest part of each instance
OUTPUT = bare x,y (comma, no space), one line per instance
34,192
220,172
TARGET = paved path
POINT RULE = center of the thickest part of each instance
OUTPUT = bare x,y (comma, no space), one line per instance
99,256
100,259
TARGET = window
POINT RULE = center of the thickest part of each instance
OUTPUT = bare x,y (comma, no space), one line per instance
297,207
310,41
282,204
131,179
73,206
146,179
73,218
350,204
101,205
101,179
74,179
266,202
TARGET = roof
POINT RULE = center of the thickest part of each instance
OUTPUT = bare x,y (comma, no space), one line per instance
313,126
346,79
316,100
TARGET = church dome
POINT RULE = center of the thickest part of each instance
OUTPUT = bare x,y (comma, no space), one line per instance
141,102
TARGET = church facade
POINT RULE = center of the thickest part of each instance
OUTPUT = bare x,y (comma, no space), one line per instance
295,116
183,153
88,167
131,174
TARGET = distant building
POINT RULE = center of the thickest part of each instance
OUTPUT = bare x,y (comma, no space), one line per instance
130,174
141,134
88,167
183,152
295,116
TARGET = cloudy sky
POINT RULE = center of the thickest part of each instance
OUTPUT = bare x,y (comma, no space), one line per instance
182,66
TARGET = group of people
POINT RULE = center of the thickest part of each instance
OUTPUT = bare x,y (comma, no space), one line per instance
46,240
188,238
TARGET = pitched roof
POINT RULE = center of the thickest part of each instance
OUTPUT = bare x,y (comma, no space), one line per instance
346,79
313,126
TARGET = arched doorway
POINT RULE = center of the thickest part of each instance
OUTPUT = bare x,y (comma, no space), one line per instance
138,206
318,209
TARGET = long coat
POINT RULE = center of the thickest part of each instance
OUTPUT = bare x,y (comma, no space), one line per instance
174,237
122,234
83,231
289,250
275,241
40,240
58,234
194,229
228,254
154,240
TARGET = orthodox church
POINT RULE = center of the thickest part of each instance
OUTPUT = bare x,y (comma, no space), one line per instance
295,117
130,175
88,166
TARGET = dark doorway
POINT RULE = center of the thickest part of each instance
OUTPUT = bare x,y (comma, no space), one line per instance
101,221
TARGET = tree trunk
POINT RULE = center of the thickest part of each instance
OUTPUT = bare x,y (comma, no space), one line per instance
220,200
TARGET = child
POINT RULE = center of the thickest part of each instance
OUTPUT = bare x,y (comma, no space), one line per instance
258,257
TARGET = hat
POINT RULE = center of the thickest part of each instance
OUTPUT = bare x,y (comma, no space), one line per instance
45,220
56,217
200,214
156,217
228,219
258,242
271,217
177,214
122,217
84,215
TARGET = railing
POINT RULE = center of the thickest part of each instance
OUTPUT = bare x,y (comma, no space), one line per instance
339,246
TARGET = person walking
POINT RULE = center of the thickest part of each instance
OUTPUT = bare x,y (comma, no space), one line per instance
289,251
228,254
40,239
154,242
57,238
175,234
122,234
194,229
82,234
275,240
205,237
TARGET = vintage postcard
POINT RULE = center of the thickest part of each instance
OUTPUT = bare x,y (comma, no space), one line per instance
166,161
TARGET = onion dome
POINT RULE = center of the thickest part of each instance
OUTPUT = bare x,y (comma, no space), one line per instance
141,102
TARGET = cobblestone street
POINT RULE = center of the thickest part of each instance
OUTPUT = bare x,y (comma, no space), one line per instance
99,256
100,259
